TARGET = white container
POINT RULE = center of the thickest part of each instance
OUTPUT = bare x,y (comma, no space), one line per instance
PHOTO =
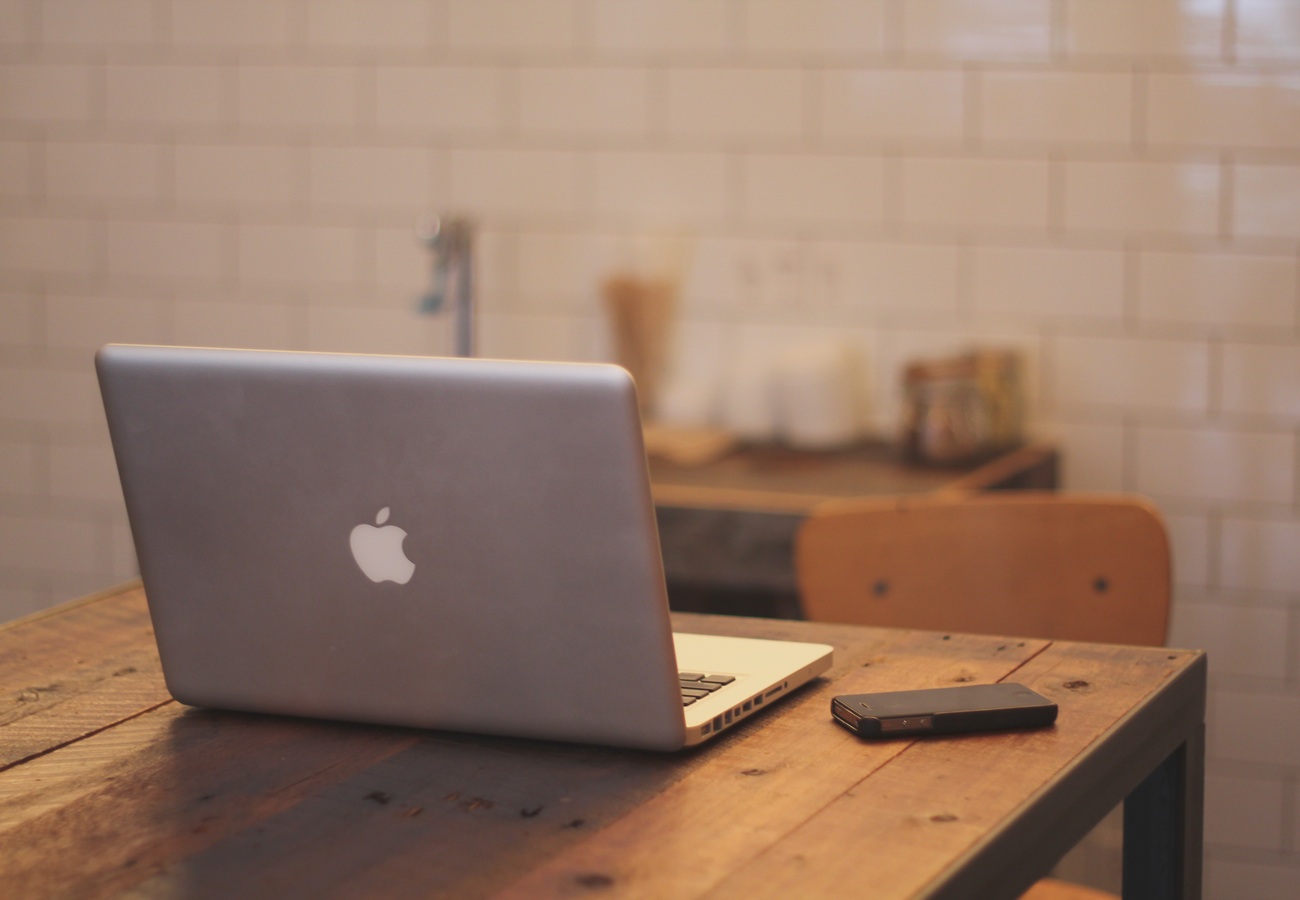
817,396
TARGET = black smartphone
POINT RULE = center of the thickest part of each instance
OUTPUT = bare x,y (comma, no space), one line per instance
972,707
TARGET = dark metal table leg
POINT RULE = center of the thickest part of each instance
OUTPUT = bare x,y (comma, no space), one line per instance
1162,827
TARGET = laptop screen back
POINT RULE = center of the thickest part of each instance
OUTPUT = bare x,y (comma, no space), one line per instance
268,495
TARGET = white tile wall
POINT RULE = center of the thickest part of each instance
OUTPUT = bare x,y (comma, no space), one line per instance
1216,464
19,323
1224,108
563,271
1213,288
402,263
18,466
1239,713
1142,197
1265,201
368,178
236,177
34,543
972,29
658,188
1267,31
48,397
1144,373
116,22
814,28
16,169
1050,281
1244,812
17,23
1076,108
513,25
888,276
1262,379
1110,186
85,322
349,24
161,250
1250,641
294,254
104,171
662,28
436,100
975,193
1235,878
759,104
352,330
216,323
892,104
50,92
20,600
1189,539
286,96
813,190
233,23
166,95
1260,554
1095,458
1155,29
515,182
49,245
564,101
83,473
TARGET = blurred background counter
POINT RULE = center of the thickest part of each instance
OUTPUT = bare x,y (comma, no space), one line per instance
727,527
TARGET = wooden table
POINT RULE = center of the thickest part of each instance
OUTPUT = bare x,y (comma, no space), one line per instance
727,528
109,786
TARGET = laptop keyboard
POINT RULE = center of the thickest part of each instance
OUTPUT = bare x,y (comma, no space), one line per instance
697,686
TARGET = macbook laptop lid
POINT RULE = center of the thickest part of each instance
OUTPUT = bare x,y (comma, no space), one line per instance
443,543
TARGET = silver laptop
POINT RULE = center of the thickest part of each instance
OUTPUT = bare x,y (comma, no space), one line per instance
443,543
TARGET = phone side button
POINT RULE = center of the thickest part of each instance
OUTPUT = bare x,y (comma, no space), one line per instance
907,723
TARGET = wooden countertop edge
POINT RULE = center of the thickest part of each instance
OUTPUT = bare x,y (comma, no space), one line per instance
751,500
735,499
1145,738
1000,469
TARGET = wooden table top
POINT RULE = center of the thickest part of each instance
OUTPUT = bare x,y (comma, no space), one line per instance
108,785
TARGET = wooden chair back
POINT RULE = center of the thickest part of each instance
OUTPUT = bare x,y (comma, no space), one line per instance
1047,565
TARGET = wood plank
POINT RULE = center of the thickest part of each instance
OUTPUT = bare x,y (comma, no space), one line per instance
450,815
124,803
759,782
168,800
75,670
67,638
938,800
462,815
173,795
1091,785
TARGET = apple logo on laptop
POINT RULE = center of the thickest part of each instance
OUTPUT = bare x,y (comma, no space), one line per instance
378,551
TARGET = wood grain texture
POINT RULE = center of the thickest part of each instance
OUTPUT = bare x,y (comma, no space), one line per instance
70,674
941,798
761,782
167,800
